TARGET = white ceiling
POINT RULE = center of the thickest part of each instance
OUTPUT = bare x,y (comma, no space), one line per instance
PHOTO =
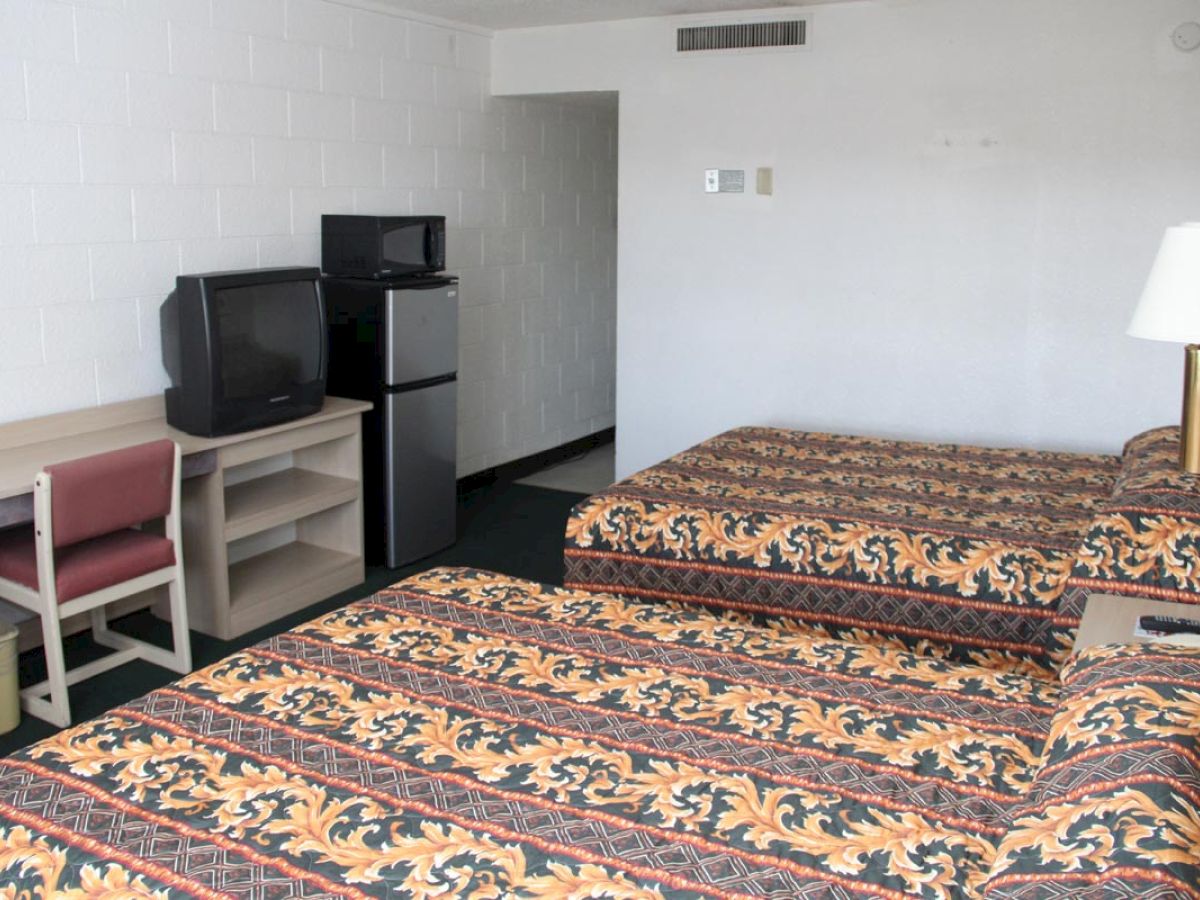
501,14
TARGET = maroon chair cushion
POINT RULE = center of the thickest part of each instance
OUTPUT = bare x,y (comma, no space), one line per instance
98,494
88,566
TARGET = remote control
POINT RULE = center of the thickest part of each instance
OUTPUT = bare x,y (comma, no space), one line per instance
1168,625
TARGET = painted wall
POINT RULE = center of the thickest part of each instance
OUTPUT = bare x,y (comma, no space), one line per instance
144,138
968,198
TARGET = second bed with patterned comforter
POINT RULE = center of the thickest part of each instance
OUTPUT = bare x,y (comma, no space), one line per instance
980,553
464,734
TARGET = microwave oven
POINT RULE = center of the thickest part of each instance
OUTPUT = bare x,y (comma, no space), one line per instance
382,246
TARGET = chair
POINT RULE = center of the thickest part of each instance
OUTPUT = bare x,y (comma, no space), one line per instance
84,552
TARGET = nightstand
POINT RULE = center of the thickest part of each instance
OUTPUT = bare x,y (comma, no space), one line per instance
1109,619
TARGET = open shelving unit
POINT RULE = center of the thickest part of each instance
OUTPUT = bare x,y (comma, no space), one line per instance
275,526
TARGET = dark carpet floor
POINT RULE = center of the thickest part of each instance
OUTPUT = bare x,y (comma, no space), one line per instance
510,528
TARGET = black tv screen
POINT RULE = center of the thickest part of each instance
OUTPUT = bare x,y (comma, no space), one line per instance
244,349
265,346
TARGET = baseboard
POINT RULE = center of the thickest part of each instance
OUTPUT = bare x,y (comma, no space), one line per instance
526,466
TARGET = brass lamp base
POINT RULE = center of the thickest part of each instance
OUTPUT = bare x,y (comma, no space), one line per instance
1189,432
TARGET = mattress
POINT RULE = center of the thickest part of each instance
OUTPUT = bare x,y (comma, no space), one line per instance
942,548
465,734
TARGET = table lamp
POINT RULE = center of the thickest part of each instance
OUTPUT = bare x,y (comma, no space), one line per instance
1170,311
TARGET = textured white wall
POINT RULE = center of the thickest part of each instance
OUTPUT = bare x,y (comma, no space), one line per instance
968,198
144,138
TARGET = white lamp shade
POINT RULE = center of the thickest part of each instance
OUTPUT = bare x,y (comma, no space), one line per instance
1170,306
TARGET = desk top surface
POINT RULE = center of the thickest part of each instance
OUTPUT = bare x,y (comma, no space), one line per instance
26,447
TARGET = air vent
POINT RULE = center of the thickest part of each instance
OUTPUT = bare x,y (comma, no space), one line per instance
789,33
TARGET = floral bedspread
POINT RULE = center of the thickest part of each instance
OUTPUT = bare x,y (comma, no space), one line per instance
464,734
939,547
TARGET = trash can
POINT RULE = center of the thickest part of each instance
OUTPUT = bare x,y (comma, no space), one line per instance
10,699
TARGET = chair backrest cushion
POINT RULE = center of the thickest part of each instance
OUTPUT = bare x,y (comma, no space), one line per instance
104,493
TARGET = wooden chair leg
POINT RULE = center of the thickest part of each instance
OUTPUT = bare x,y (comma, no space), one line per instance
99,618
57,710
180,636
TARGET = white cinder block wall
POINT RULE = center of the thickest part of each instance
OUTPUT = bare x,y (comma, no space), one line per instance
144,138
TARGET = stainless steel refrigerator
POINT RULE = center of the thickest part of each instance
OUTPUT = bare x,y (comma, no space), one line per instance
395,343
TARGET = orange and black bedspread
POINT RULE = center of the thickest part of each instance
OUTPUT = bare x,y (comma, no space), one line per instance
463,734
939,547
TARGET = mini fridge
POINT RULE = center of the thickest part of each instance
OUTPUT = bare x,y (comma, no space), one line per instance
395,343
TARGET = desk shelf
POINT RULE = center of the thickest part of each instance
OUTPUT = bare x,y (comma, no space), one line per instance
272,584
272,500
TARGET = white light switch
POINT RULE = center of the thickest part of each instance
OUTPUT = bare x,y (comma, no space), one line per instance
712,181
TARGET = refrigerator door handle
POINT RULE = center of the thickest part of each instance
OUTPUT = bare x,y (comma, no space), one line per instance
419,385
426,283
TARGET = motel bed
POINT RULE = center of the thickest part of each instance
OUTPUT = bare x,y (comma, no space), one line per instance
465,734
978,554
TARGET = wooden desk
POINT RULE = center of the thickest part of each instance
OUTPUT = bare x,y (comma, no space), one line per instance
272,519
26,447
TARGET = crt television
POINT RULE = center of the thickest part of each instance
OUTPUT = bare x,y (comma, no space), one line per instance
244,349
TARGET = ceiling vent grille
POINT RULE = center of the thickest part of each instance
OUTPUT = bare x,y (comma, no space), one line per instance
789,33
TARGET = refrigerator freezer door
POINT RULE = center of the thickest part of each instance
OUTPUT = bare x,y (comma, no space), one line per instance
422,329
421,487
